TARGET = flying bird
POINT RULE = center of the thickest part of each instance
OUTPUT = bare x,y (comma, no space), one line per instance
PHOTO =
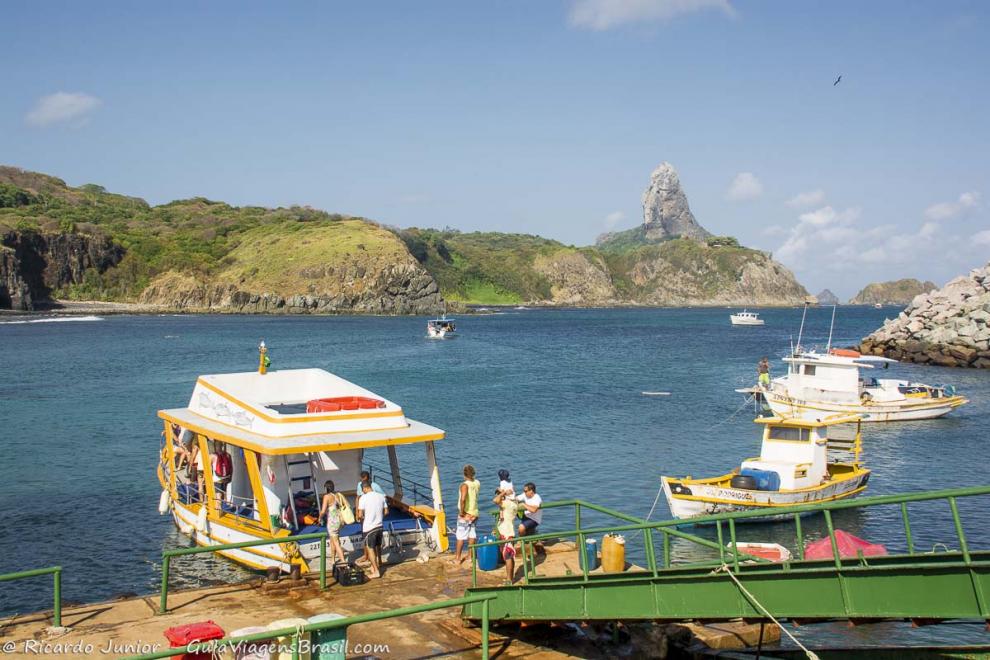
837,81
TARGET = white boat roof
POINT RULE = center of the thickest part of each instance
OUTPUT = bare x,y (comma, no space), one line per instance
268,413
862,361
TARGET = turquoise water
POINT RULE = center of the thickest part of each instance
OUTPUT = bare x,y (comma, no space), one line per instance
552,395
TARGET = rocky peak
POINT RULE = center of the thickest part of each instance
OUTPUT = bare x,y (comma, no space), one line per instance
826,297
666,213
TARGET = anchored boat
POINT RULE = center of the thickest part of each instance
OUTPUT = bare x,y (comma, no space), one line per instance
441,328
801,461
819,384
286,433
746,318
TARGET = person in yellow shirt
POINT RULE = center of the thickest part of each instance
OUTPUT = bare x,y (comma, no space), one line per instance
467,511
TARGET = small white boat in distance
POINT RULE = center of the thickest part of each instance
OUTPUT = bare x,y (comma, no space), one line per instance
441,328
746,318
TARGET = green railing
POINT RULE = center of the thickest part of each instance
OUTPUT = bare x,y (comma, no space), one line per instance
168,554
54,570
669,529
296,634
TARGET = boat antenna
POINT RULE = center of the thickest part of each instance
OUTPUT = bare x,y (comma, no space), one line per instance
830,326
801,331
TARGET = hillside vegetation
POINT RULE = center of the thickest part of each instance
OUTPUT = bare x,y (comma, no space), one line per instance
208,255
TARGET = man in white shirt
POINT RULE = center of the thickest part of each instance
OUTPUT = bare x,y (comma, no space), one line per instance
533,514
371,510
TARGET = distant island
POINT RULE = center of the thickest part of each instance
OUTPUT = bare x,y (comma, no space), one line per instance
59,242
899,292
826,297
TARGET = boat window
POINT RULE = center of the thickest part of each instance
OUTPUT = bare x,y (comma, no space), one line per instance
789,433
809,370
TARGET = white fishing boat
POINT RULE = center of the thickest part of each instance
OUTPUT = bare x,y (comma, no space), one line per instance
877,305
818,384
746,318
801,461
283,435
441,328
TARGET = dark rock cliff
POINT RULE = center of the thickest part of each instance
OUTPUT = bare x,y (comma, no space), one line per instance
34,264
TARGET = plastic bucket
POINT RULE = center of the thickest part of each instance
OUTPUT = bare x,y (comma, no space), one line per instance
328,644
283,648
259,650
590,555
488,555
613,553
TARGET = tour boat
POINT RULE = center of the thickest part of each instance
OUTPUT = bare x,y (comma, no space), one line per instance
801,461
819,384
877,306
287,432
746,318
441,328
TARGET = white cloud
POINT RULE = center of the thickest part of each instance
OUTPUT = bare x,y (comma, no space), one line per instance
606,14
745,186
819,227
62,107
981,237
948,210
805,199
614,218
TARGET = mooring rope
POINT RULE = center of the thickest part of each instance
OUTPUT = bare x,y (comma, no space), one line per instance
745,403
724,568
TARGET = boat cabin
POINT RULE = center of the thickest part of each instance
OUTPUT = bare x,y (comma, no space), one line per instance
286,433
803,452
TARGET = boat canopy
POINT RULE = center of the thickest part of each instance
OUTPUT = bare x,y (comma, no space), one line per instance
800,422
279,412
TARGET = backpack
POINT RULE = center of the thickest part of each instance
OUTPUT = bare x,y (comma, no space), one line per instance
224,465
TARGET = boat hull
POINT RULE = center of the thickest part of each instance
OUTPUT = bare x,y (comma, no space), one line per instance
909,409
690,499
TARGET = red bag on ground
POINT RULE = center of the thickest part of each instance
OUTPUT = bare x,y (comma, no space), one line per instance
201,631
849,546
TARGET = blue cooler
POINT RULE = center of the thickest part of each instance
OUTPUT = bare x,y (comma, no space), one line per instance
488,555
590,554
765,479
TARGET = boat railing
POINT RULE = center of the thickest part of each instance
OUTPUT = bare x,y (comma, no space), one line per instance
420,491
167,556
297,634
728,553
56,573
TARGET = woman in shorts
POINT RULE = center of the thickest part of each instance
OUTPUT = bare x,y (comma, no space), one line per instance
330,507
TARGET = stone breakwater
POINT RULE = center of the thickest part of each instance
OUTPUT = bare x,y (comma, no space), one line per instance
948,327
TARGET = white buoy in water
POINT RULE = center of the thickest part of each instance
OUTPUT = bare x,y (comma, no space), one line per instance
163,503
656,393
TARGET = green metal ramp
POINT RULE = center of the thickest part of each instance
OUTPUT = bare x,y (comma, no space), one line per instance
923,587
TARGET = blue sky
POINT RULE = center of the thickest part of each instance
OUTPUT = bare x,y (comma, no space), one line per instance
533,116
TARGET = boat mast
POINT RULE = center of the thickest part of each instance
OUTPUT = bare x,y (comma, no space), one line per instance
830,326
801,331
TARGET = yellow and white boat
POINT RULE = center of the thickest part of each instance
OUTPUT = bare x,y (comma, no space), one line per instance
827,383
288,432
801,461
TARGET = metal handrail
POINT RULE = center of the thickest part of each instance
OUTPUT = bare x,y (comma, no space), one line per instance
669,527
56,571
214,646
168,554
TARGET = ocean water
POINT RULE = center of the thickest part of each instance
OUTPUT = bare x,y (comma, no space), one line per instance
552,395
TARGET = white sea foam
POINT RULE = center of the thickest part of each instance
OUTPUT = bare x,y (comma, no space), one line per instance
53,319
